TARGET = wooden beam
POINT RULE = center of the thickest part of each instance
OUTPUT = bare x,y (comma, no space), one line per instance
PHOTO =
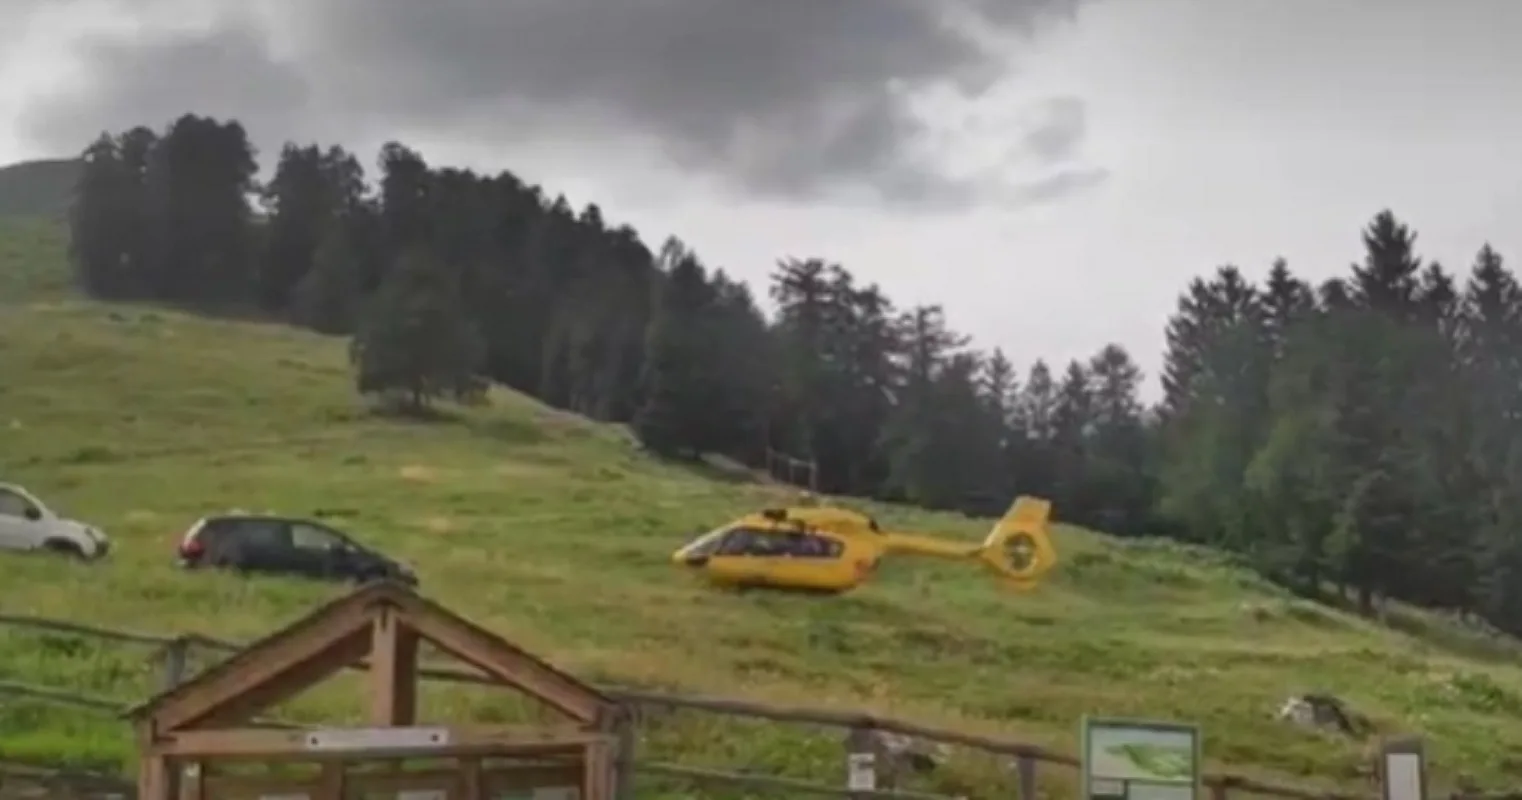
393,670
495,782
504,662
235,684
274,687
255,743
512,780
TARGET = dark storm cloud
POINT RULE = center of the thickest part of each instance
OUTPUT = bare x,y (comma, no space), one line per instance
224,72
780,98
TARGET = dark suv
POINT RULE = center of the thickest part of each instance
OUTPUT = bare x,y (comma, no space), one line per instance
284,545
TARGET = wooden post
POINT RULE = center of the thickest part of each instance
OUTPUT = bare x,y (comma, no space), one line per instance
597,771
623,778
1025,766
192,780
393,671
470,779
1219,788
175,657
862,749
331,784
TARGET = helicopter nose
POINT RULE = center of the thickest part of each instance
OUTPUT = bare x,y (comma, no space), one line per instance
685,559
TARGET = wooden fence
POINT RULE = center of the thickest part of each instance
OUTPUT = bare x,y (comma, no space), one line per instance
864,738
30,782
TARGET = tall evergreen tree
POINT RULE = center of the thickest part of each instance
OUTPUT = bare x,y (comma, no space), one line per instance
414,345
676,384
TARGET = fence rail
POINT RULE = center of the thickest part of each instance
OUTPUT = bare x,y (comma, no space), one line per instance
31,781
866,729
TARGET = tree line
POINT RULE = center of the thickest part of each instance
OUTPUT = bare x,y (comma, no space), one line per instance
1358,436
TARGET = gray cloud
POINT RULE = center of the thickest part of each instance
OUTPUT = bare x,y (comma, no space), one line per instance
788,99
1056,128
224,72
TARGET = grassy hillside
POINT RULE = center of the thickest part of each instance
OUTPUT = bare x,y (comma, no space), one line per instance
555,532
32,260
41,188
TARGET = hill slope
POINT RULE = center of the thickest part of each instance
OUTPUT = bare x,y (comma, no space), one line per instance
42,188
33,264
555,532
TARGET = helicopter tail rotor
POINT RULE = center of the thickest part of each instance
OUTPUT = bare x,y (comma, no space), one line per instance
1019,548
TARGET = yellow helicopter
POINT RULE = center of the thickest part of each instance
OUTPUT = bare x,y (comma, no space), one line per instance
828,550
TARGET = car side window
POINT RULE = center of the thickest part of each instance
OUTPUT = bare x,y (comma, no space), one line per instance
13,504
307,536
261,534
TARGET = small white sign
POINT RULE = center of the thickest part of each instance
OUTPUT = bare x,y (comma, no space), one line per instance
1403,776
376,738
862,772
422,794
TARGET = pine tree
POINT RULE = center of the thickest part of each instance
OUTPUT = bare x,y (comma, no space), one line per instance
97,229
1117,464
414,344
326,299
672,418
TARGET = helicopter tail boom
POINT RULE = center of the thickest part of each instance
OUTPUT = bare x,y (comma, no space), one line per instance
1019,548
912,544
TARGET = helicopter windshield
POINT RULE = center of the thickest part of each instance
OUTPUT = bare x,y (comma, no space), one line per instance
703,546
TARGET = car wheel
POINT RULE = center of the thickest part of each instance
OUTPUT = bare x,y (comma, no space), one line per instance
64,547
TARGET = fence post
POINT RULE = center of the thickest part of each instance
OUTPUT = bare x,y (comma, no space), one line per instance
1025,767
1220,787
175,658
862,747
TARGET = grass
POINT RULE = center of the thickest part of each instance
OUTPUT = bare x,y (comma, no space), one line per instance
41,188
555,532
31,252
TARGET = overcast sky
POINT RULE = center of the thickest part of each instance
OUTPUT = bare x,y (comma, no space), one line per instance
1051,171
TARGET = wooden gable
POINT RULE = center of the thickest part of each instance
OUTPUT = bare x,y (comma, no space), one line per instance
381,623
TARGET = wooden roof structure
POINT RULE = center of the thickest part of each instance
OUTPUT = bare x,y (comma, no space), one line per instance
378,626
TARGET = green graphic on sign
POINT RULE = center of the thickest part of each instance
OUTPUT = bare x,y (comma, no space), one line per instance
1138,760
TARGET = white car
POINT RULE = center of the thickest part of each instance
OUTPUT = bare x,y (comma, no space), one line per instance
27,524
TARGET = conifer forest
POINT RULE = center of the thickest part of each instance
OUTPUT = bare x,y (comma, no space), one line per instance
1354,440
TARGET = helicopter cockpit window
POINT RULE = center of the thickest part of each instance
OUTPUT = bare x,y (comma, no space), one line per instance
705,545
777,544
